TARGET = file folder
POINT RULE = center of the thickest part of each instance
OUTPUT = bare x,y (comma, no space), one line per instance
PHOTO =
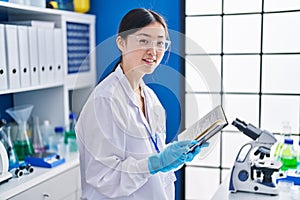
42,55
33,56
12,52
50,55
58,55
23,56
3,66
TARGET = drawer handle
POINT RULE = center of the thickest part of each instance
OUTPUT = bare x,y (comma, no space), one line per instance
46,196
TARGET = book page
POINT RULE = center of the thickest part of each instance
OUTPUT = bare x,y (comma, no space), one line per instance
210,122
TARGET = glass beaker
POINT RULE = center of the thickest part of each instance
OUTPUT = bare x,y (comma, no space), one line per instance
22,145
37,139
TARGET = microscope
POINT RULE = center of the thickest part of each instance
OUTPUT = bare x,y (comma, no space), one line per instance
253,169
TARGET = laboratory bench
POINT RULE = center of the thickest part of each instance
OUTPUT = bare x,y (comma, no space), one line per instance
224,194
60,183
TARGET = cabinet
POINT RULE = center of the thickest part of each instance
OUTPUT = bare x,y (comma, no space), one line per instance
59,183
55,99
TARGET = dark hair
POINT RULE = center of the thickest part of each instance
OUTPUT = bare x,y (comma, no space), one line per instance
136,19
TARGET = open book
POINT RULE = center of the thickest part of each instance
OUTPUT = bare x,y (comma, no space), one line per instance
206,127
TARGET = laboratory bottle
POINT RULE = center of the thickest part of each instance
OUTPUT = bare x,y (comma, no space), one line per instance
72,120
37,139
56,139
47,130
298,156
65,5
285,133
288,156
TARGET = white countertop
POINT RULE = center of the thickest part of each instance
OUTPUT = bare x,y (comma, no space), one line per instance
224,194
16,185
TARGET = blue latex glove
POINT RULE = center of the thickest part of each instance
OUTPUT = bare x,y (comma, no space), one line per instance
196,151
170,158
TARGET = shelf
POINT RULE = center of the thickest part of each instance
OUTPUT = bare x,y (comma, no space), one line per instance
31,88
17,9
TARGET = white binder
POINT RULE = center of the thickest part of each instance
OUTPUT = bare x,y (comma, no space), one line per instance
50,55
33,56
42,55
12,48
24,56
58,55
3,66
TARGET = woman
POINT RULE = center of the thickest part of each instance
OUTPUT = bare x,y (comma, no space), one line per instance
121,129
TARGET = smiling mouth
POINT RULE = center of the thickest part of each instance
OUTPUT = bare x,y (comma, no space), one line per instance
150,61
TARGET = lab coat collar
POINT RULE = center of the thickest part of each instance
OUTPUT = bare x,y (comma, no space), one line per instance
130,93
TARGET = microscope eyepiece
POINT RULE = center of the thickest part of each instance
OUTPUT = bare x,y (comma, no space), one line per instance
248,129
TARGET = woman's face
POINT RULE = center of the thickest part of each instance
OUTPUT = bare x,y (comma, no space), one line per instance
143,50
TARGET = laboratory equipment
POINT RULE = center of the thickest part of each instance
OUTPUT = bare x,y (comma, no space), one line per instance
56,139
253,169
26,168
65,5
288,155
5,175
16,172
22,145
45,159
37,140
5,138
291,175
47,130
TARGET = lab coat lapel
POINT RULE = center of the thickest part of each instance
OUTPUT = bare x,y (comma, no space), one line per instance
130,94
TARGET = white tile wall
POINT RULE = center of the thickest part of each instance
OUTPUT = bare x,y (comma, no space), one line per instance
204,32
281,32
203,73
241,73
242,34
259,76
277,109
280,74
244,107
280,5
242,6
194,7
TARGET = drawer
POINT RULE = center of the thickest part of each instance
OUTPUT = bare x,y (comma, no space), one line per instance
60,187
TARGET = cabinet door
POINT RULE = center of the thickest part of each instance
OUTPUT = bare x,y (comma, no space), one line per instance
201,183
63,186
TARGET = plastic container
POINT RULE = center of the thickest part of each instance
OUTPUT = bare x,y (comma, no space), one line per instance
72,119
65,5
288,155
56,139
81,6
47,130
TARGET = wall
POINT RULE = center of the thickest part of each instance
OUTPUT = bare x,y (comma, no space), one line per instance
165,81
254,46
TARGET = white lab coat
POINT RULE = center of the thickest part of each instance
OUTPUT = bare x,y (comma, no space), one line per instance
114,143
